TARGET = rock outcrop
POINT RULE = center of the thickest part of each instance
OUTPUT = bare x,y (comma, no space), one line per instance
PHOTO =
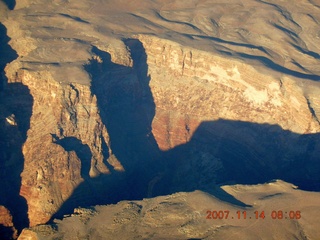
102,102
7,229
206,87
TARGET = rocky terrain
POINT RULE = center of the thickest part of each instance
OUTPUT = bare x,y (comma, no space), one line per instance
113,100
187,216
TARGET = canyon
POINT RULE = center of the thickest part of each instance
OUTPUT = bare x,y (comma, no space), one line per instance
110,101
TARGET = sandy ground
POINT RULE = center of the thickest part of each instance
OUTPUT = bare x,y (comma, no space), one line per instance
275,210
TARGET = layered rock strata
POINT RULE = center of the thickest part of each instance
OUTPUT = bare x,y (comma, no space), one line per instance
98,105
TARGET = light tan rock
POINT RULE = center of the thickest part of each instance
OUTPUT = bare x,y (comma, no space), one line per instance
27,234
274,210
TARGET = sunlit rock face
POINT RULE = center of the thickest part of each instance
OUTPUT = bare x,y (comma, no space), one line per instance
7,229
107,101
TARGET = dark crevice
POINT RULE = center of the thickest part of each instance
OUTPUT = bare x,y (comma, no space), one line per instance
276,67
6,233
179,22
82,150
314,4
73,18
283,12
10,3
288,32
305,51
314,115
220,40
106,155
300,66
266,61
7,55
76,90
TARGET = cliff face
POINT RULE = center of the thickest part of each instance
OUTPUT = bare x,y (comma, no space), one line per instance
191,86
64,120
94,105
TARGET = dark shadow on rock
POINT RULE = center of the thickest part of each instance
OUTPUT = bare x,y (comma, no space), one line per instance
219,193
264,60
16,109
85,194
219,152
73,18
6,233
82,150
15,112
235,152
127,109
308,52
10,3
276,67
7,54
220,40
